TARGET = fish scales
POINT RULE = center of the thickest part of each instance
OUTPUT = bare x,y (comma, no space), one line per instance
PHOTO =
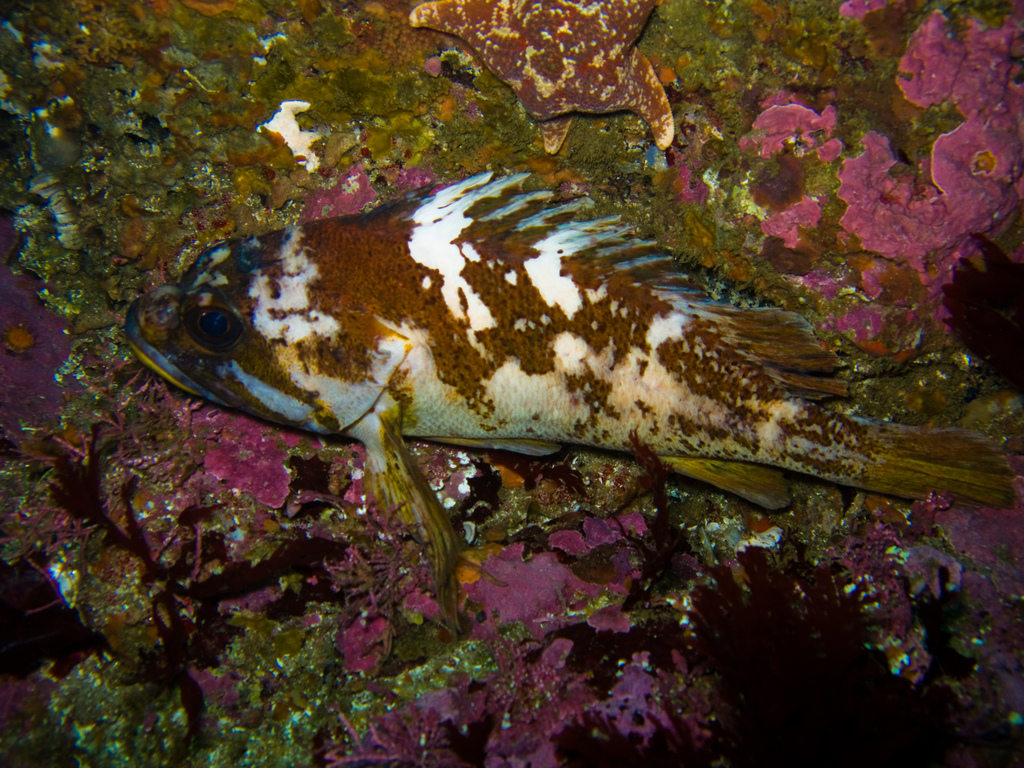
482,315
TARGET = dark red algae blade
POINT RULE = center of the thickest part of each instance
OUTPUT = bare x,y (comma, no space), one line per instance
35,622
986,304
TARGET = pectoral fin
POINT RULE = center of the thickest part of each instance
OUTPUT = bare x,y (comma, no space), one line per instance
756,483
524,446
398,484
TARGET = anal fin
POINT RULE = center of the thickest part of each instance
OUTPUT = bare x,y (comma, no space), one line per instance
397,483
516,445
761,485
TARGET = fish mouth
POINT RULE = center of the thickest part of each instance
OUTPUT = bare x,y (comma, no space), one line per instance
155,360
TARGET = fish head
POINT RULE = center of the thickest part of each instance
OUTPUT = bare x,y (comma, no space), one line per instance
186,337
252,326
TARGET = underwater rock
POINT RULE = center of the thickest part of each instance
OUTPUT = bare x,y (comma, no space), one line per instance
33,345
349,195
973,179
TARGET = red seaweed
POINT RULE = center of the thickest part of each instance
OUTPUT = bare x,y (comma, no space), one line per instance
35,622
799,684
657,560
196,640
986,304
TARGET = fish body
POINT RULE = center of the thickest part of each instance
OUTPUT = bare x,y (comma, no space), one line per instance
482,315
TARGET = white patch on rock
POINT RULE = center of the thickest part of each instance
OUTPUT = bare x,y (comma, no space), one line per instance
764,539
284,123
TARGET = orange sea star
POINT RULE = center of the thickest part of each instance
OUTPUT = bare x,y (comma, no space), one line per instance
562,56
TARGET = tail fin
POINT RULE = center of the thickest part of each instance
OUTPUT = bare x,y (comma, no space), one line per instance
913,461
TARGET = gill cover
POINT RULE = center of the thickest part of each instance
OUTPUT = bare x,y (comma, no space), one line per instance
242,331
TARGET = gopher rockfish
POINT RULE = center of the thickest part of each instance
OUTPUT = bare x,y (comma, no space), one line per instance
484,316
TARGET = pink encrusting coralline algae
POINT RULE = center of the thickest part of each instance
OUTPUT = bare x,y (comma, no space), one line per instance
973,177
786,126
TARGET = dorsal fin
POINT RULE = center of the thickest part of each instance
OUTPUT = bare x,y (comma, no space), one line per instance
784,343
501,210
780,341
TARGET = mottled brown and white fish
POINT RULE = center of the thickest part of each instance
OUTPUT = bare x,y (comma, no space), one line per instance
480,315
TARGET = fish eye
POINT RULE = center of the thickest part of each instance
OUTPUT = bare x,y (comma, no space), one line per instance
213,323
214,328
